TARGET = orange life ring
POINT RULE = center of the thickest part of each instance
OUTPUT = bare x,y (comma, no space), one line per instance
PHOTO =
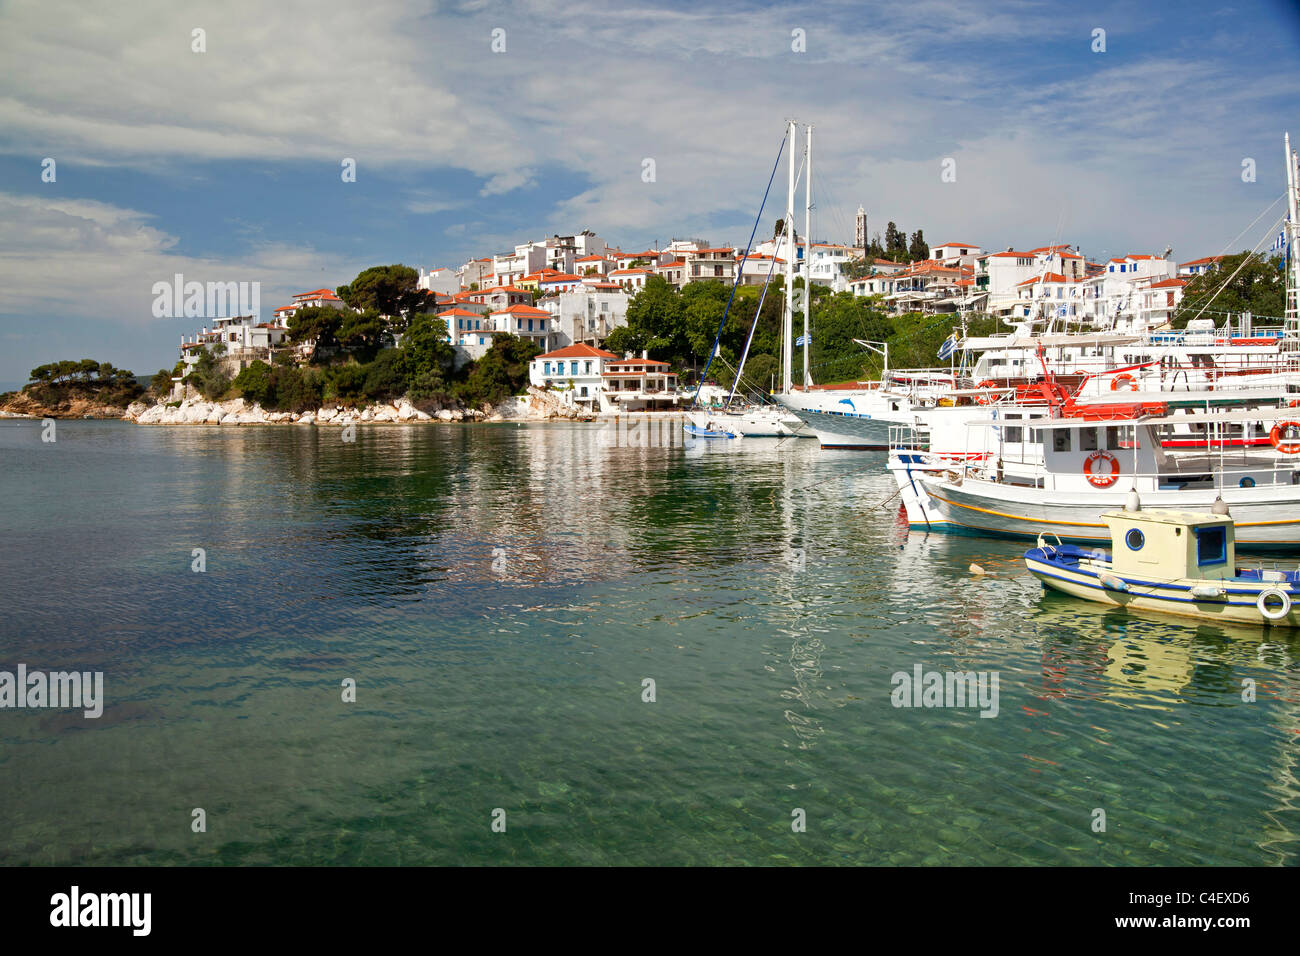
1284,447
986,399
1100,480
1122,379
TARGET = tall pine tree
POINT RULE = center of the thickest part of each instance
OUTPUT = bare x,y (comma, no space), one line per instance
918,250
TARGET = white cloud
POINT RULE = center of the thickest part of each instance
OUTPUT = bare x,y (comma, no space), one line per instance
93,260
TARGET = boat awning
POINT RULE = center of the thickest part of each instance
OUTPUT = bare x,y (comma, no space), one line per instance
1048,341
1229,417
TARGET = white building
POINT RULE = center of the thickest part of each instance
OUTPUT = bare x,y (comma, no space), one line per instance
633,280
476,272
1199,266
524,321
1008,270
586,316
441,279
575,370
953,252
633,385
528,257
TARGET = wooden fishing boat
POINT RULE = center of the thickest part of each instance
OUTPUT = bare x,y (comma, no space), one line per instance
1175,562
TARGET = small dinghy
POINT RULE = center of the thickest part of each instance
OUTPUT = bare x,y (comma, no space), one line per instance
1177,562
709,430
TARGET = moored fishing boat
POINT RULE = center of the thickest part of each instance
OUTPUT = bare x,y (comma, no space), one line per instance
1019,476
1175,562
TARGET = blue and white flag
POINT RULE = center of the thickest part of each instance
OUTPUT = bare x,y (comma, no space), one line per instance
949,346
1280,242
802,340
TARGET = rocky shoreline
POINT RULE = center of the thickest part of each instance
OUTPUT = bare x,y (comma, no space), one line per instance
239,412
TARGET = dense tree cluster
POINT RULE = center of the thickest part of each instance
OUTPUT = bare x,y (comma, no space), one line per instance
1258,286
678,327
85,378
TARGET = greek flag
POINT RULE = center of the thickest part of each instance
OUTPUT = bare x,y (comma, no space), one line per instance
802,340
949,346
1280,242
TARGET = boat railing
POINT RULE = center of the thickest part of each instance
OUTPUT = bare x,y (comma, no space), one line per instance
1178,475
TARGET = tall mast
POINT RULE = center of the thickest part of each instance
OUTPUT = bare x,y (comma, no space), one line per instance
1292,233
787,323
807,260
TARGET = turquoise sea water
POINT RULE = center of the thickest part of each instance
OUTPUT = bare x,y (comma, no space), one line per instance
499,593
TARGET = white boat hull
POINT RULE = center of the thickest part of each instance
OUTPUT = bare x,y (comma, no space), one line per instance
1238,603
757,423
1266,517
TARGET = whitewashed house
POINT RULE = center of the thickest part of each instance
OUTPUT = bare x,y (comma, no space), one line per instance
577,371
525,321
441,279
585,316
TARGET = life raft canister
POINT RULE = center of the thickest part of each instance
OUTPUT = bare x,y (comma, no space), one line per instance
1276,439
986,399
1098,479
1123,380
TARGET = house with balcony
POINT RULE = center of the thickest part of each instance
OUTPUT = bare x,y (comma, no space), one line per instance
575,370
632,280
1200,266
673,271
558,282
716,264
524,321
639,385
587,315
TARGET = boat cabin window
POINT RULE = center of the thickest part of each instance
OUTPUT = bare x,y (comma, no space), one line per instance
1060,439
1088,439
1211,546
1119,436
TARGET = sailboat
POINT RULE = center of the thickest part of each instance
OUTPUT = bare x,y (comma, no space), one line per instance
756,421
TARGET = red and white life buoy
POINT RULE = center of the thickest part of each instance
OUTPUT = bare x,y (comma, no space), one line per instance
1277,440
986,398
1101,479
1123,380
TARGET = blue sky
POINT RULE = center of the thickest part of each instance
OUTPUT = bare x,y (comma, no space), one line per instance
225,165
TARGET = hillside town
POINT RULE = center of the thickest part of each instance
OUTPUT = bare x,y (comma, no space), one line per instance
566,294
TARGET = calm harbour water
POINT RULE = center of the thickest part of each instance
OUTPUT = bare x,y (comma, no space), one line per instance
500,592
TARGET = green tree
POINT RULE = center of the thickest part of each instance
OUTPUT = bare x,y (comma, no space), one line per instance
161,383
895,243
427,355
386,376
318,324
918,250
500,373
208,377
388,290
654,318
254,382
1259,288
361,333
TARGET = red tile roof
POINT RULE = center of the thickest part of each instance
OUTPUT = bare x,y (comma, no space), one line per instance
578,351
527,311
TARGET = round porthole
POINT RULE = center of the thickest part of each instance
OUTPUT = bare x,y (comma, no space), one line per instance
1135,539
1247,482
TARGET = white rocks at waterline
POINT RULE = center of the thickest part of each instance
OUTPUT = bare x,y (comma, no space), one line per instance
238,412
